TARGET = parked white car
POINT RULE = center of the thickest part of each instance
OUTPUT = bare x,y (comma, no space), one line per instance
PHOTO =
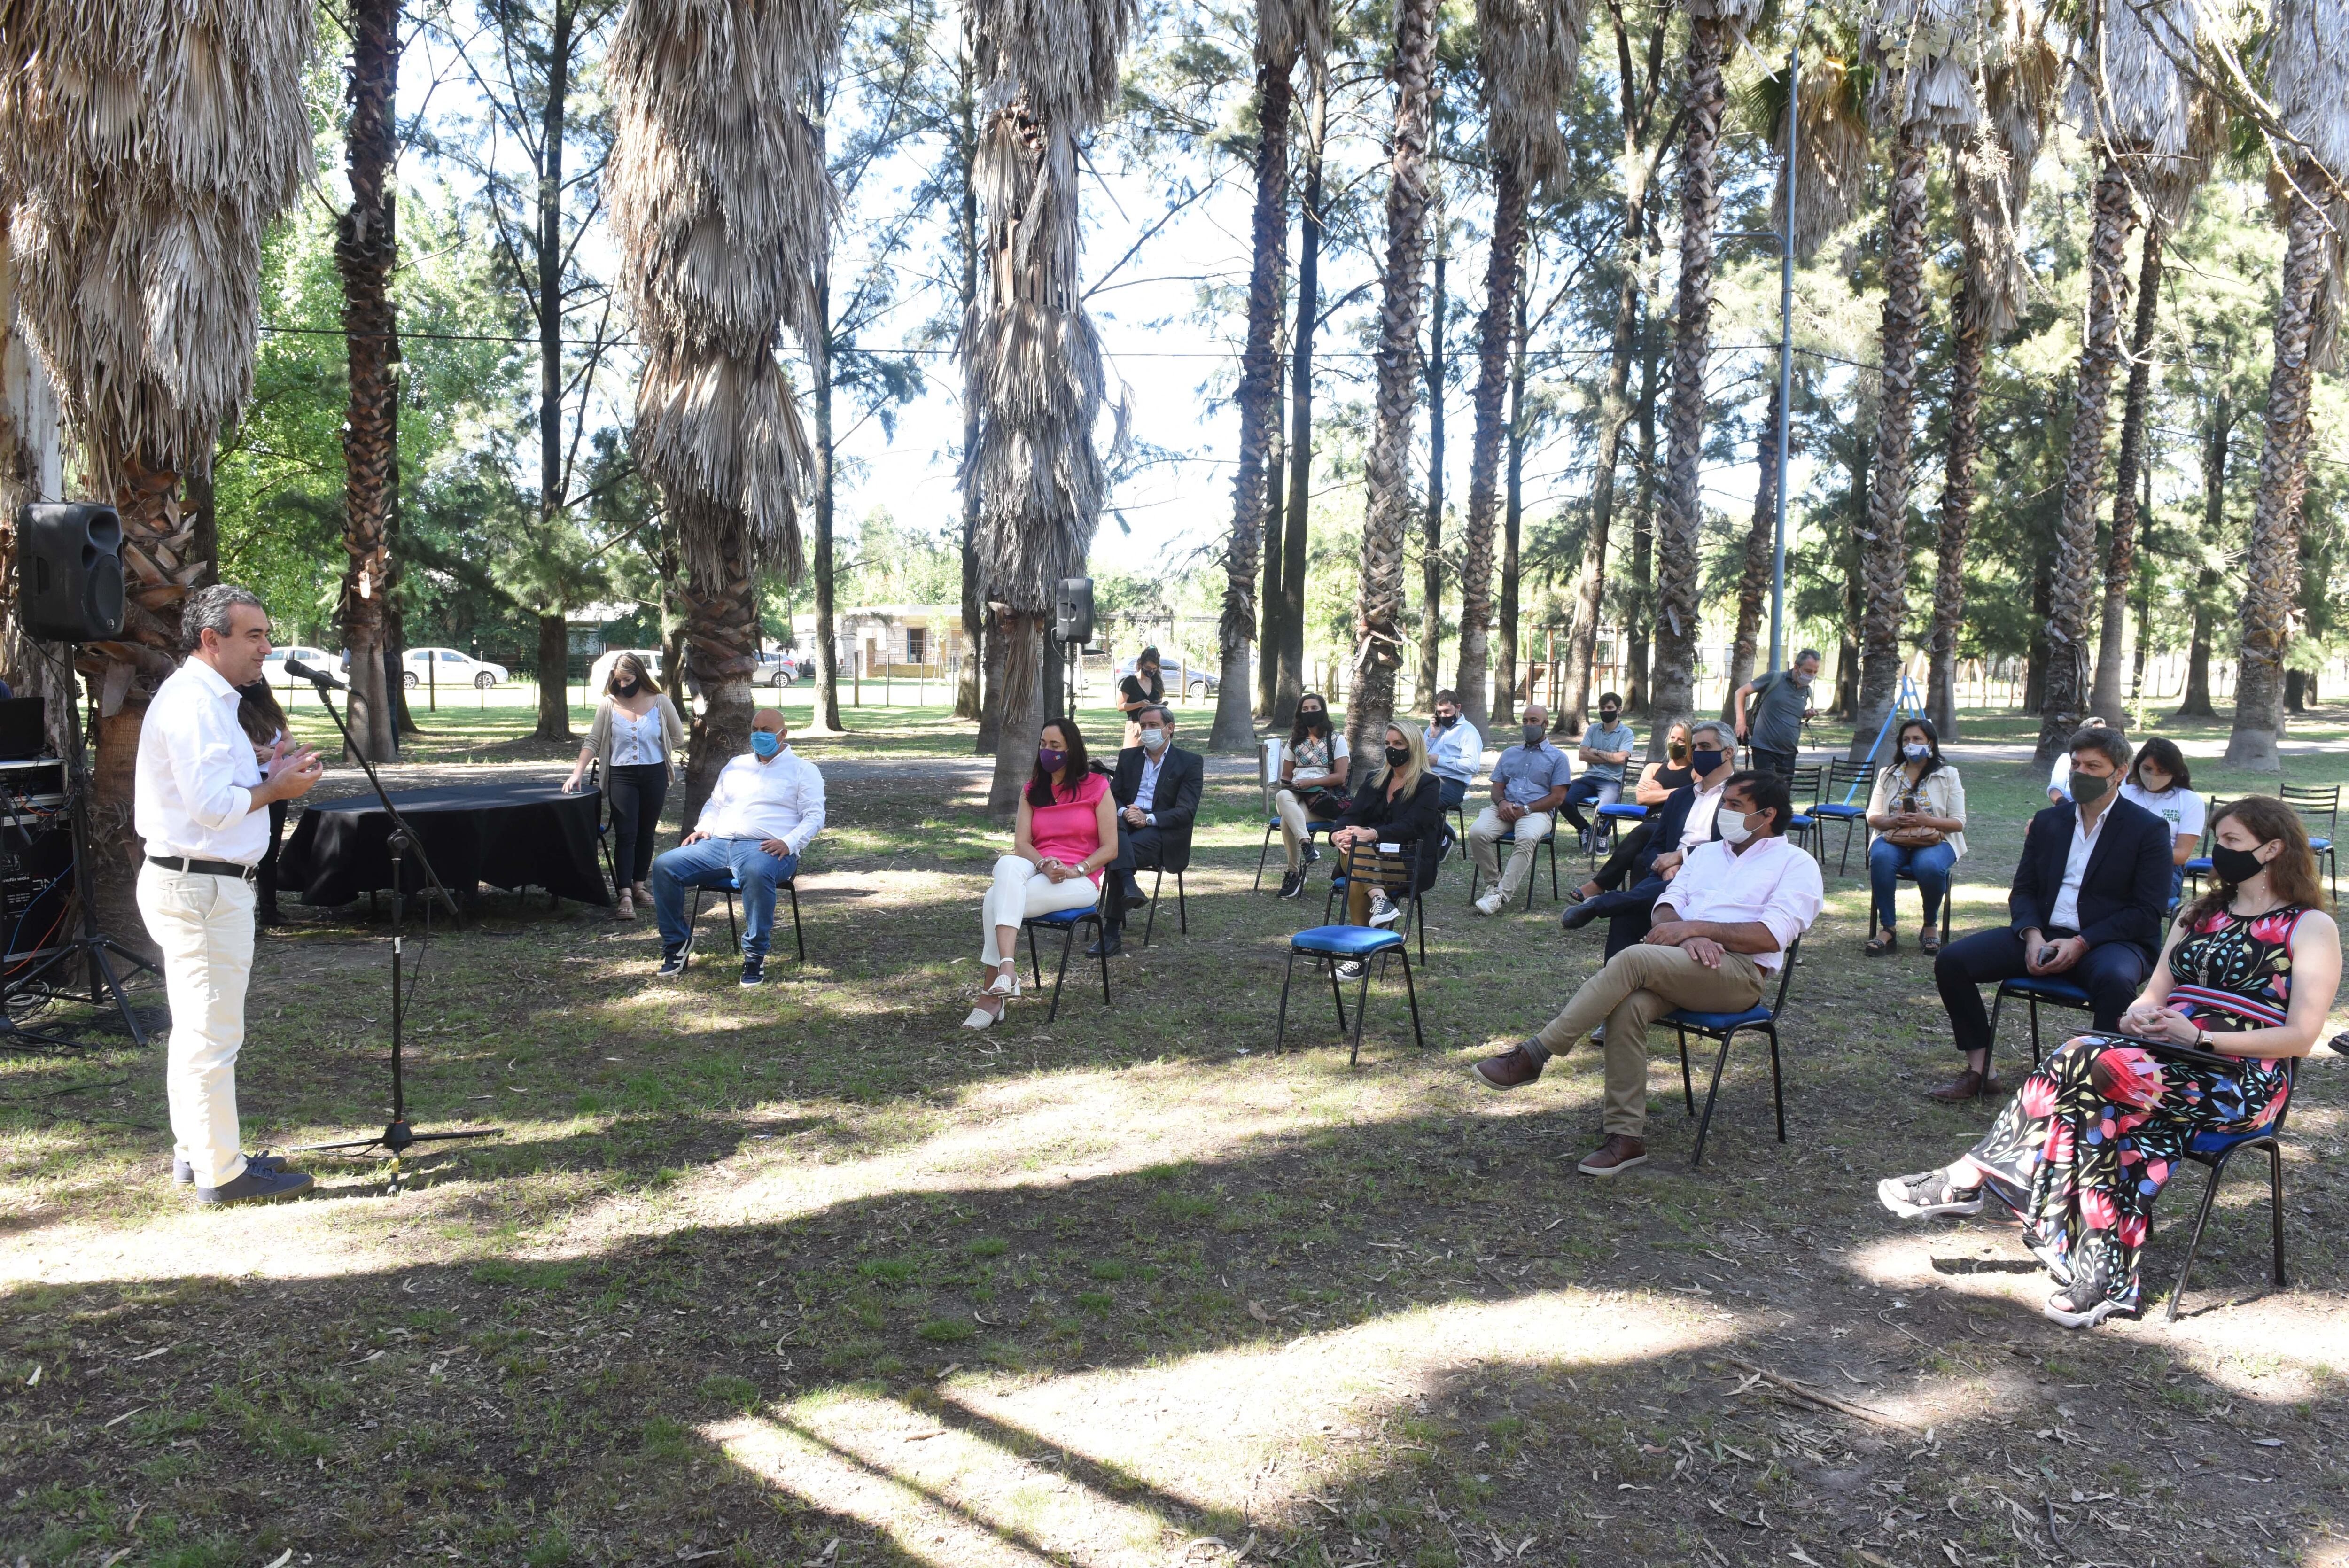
272,669
599,673
448,667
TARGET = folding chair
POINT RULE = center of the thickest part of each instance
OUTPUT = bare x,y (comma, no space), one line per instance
1508,841
790,884
603,823
1330,944
1065,922
2054,990
1843,776
2319,805
1724,1027
2212,1150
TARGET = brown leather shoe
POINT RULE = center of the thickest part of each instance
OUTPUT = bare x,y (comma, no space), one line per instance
1968,1085
1615,1156
1513,1067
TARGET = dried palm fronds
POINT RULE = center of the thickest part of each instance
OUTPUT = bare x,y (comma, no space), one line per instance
1287,31
2308,73
2020,73
145,147
2131,93
1526,51
1925,53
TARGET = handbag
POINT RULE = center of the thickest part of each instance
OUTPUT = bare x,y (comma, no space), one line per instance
1327,803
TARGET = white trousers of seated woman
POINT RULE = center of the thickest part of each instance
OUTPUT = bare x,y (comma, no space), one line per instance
1022,893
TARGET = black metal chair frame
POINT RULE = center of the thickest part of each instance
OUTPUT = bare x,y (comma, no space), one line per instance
790,884
2312,801
1548,840
2270,1139
1948,898
1329,962
1182,905
1768,1025
1414,913
2011,988
1803,792
1068,928
1842,773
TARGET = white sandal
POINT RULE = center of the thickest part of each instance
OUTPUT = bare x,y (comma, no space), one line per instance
1002,986
980,1019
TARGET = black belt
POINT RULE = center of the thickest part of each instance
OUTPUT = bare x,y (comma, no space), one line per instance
208,868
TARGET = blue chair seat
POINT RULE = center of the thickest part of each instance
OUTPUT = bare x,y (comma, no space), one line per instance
1059,918
1715,1022
1345,941
2319,844
1838,810
2048,988
2216,1145
1801,822
2199,863
1626,814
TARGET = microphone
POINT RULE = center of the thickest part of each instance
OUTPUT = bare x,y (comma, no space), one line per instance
320,678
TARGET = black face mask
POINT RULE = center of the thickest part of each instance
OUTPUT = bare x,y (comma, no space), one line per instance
627,688
2235,867
1610,715
1398,754
1447,720
1314,720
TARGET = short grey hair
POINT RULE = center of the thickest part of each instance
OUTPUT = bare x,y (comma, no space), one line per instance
207,610
1810,654
2097,737
1711,726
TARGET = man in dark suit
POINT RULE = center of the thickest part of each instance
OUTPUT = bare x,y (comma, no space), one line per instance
2086,905
1684,820
1157,787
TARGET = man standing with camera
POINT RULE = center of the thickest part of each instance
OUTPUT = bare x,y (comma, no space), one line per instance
202,807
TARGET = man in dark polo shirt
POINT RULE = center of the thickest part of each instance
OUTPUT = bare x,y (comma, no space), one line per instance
1772,725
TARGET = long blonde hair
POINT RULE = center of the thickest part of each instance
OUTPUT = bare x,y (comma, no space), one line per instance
630,662
1414,770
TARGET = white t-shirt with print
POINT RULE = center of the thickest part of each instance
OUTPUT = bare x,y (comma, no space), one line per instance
2181,808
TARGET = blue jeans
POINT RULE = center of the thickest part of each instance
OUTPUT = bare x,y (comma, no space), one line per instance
1454,791
713,863
1585,789
1929,864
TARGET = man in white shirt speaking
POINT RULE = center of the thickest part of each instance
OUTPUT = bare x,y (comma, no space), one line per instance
1722,930
200,804
757,823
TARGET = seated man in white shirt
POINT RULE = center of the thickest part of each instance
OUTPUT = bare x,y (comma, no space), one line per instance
752,829
1722,930
1454,751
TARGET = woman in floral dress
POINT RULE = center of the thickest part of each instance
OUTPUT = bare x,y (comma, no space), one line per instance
2084,1148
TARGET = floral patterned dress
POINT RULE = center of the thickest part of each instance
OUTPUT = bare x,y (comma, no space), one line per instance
2084,1148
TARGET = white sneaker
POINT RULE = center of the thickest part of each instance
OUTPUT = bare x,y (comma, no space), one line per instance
1490,904
1384,911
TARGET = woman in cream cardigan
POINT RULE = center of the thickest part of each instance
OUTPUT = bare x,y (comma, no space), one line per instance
1916,823
634,744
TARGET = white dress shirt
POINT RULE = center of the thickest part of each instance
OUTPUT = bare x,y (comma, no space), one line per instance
1145,793
2066,913
196,772
1774,882
782,798
1698,829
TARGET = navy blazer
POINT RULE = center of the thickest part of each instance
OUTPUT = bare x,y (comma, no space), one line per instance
1176,802
2123,892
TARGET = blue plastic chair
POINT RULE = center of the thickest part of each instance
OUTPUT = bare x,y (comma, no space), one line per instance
1331,943
1724,1028
1608,820
1065,922
2212,1150
733,932
1508,841
2054,990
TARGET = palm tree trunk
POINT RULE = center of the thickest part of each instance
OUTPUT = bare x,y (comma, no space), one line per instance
2064,702
2272,568
1680,531
1378,605
823,711
1501,267
1504,675
2218,436
991,708
1430,539
1276,490
365,249
2121,559
969,692
160,568
1967,342
1761,551
1885,541
553,704
722,640
1259,406
1295,539
1639,613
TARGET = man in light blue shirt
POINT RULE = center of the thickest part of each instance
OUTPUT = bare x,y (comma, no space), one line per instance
1606,746
1454,751
1529,781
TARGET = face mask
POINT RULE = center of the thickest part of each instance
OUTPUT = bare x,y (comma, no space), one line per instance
1154,740
765,743
1447,720
1049,759
1398,754
2235,867
1706,760
1678,750
1610,715
1314,720
2087,788
1733,830
1534,733
2153,783
627,688
1799,678
1917,753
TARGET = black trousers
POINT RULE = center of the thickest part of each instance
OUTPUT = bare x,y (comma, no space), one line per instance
1138,849
264,880
1627,857
2112,974
634,794
1782,763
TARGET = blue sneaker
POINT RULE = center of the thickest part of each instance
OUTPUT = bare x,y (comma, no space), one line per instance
754,970
672,964
184,1175
255,1186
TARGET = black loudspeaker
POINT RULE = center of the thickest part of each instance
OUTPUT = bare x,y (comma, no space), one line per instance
69,572
1073,610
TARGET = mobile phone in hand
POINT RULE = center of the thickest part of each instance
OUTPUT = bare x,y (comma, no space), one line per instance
2047,955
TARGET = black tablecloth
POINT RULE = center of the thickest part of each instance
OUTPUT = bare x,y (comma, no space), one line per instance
509,835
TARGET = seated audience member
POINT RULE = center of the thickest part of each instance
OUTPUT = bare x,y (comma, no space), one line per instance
1606,746
2158,781
1066,832
2083,1149
1313,767
1454,751
2086,904
1156,787
1402,805
1658,779
1721,932
754,827
1683,822
1144,688
2059,777
1781,701
1916,823
1528,781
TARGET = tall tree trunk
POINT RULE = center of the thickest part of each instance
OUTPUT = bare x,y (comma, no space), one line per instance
1431,541
2120,558
2196,701
1639,616
1378,604
2064,701
1022,636
1967,342
970,694
990,711
1501,268
1311,224
721,640
365,249
2218,436
159,567
2144,620
1885,541
553,705
2271,567
1505,675
1680,525
1760,552
1268,637
2042,598
823,712
554,666
1259,406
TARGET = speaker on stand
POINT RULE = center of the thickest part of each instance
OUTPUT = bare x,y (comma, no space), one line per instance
1072,627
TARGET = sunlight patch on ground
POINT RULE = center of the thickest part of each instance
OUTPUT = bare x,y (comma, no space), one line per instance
1086,1469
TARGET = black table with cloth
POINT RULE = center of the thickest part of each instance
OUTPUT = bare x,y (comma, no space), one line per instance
512,835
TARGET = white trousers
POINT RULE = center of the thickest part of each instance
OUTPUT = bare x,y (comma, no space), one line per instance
1293,819
1020,892
1483,843
205,926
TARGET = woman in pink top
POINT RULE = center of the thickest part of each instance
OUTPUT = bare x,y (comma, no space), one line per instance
1067,831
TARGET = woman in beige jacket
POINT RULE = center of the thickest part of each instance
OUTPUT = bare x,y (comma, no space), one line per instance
1916,823
634,744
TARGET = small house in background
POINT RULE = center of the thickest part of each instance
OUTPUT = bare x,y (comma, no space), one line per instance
593,627
877,641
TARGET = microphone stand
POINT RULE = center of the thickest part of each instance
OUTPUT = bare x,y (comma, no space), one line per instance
397,1137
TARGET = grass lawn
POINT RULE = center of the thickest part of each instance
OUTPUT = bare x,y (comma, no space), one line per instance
810,1274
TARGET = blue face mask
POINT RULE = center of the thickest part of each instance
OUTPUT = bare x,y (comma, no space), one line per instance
1704,761
765,743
